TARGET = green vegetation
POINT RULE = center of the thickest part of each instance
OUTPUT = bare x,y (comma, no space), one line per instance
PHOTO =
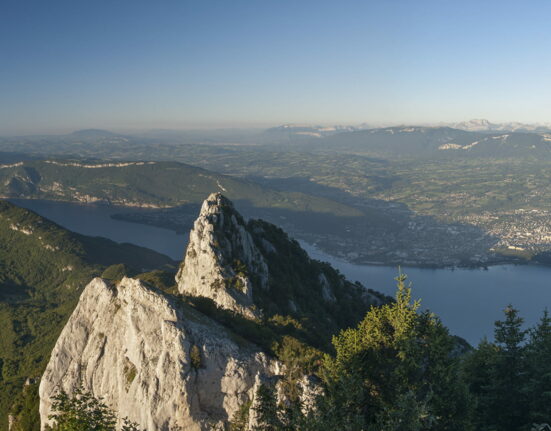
82,411
400,370
299,288
150,184
116,272
241,420
288,343
161,279
398,366
195,357
129,372
43,269
510,377
397,370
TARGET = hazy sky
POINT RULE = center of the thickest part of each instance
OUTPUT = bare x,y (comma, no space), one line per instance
138,64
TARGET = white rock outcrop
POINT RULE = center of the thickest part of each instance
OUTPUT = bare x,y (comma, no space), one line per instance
222,261
133,346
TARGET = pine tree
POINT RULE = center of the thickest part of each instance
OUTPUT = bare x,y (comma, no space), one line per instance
538,362
478,367
266,410
398,358
397,371
508,404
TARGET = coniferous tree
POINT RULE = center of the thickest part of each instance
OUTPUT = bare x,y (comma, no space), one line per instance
266,410
479,366
398,363
538,363
508,404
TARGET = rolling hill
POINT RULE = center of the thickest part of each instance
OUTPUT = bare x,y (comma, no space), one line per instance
147,184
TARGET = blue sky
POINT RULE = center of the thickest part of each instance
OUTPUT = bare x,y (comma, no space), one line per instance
133,64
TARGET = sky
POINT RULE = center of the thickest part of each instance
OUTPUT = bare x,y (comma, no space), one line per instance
177,64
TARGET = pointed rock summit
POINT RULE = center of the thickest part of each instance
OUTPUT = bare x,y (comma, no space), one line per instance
222,261
255,269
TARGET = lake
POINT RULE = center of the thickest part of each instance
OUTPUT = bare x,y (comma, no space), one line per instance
467,300
95,220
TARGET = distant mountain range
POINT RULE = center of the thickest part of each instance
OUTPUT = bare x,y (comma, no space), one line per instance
442,142
424,141
475,125
482,125
289,131
297,130
469,139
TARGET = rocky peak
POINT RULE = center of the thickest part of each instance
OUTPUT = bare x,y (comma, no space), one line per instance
222,261
255,269
134,347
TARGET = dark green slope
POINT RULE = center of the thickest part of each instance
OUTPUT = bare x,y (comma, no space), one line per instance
296,287
43,269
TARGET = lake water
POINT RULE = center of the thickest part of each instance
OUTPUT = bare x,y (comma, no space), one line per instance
95,220
467,300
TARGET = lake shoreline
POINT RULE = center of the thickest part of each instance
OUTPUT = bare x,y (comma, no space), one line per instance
485,267
128,211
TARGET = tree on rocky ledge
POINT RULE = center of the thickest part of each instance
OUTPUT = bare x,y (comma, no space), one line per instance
81,411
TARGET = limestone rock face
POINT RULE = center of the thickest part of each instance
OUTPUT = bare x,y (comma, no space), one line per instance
132,346
255,269
222,261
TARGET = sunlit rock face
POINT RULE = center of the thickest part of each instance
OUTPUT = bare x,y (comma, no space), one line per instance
222,261
161,364
253,268
165,365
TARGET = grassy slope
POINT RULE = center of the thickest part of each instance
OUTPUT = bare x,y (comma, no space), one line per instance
43,269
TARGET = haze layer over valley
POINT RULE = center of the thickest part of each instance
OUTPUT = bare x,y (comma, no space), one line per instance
436,196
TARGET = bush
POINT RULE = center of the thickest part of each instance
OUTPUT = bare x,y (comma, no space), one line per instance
195,357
